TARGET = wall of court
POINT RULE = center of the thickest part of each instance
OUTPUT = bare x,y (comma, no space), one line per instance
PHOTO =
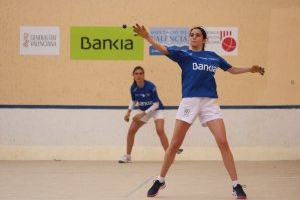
268,35
85,134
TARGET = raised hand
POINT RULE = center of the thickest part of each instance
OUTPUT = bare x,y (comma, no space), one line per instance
141,31
259,69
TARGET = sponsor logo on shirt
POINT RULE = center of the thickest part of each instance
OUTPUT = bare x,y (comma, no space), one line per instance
204,67
140,95
145,103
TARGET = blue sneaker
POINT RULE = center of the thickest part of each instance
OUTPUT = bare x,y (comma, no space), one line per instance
153,191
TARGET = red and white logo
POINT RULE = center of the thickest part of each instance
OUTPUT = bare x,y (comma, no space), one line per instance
222,40
228,42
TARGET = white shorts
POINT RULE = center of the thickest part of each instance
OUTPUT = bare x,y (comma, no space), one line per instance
205,108
157,114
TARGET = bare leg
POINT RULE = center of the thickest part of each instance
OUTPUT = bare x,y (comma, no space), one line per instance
217,128
134,127
180,130
159,124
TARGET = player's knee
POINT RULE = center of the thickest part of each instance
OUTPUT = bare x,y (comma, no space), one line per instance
174,146
222,143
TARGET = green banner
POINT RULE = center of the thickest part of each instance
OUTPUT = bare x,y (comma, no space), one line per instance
105,43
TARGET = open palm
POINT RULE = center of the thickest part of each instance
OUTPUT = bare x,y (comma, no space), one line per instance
141,31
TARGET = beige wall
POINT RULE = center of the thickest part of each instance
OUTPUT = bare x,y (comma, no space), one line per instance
268,35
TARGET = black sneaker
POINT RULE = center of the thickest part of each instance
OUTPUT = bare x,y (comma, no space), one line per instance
238,192
179,151
152,192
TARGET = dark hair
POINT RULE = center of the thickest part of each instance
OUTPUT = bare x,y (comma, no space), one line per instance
204,34
137,68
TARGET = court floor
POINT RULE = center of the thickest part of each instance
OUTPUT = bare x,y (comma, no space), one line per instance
187,180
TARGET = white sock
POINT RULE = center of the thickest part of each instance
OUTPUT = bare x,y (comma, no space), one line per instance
128,156
234,183
161,179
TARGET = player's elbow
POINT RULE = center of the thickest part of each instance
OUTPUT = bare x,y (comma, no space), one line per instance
232,70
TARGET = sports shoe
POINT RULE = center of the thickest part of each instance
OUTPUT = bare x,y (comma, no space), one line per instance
152,192
238,192
179,151
125,159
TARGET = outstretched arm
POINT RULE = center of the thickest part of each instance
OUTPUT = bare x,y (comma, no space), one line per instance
142,32
253,69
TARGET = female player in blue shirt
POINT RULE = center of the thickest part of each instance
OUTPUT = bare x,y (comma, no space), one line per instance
144,95
199,99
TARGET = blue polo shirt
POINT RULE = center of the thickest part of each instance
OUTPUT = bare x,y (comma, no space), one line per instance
145,96
198,70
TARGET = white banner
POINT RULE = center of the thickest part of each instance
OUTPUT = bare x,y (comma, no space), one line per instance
222,40
39,40
170,37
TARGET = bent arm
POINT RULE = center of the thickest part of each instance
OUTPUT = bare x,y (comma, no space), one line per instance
131,105
152,108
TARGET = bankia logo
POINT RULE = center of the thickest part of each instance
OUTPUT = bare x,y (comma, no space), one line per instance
105,43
